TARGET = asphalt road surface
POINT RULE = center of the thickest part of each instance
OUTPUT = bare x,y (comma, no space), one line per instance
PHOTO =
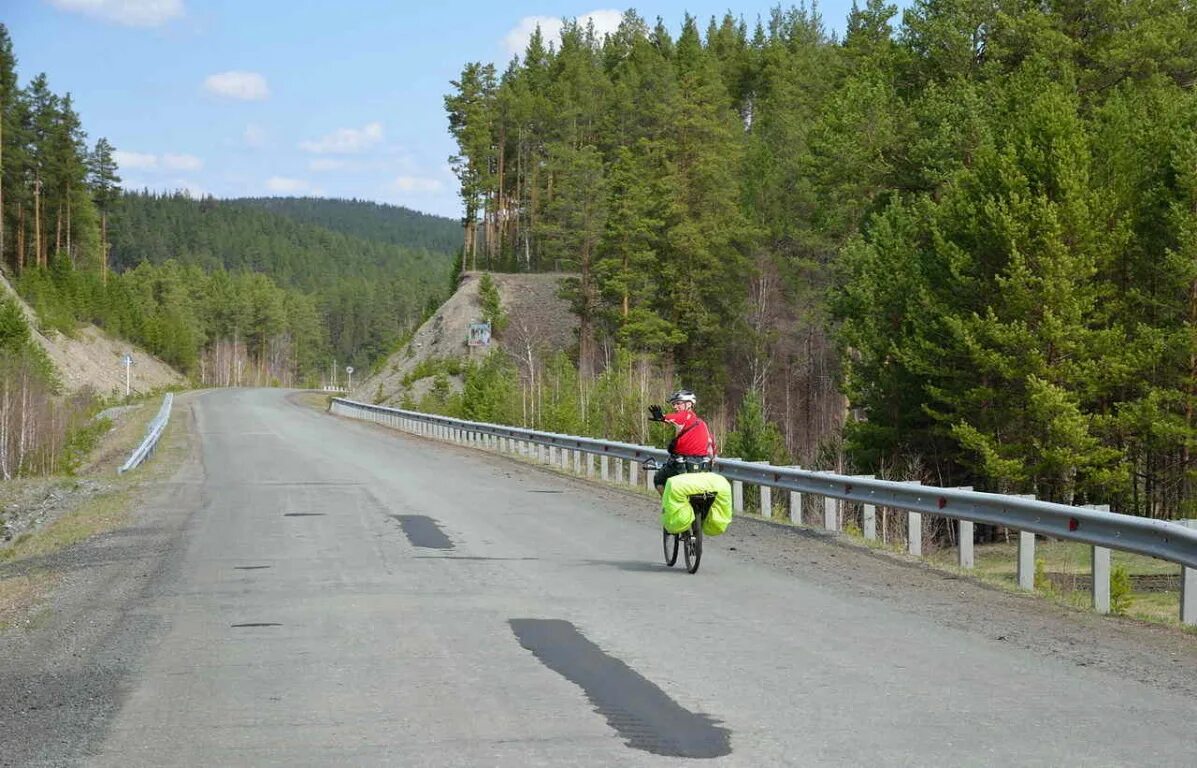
339,594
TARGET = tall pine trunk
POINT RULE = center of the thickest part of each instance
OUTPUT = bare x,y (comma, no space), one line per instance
2,182
70,251
20,238
37,221
104,247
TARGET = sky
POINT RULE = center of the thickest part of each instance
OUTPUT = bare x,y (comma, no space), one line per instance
237,98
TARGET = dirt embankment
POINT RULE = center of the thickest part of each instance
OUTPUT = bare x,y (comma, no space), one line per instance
94,359
539,321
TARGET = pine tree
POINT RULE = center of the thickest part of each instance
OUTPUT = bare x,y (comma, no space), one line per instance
105,191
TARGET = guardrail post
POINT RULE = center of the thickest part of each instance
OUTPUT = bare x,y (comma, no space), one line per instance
795,503
577,462
965,534
589,459
1099,558
1026,560
766,496
1026,553
914,533
831,518
914,527
964,538
1188,586
868,516
1188,595
633,473
605,464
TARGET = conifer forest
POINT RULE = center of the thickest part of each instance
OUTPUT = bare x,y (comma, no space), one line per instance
957,242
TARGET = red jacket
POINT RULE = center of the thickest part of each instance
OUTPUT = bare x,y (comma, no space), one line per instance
694,439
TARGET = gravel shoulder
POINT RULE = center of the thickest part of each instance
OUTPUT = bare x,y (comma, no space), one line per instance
71,638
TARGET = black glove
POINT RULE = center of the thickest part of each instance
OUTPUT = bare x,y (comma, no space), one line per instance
656,413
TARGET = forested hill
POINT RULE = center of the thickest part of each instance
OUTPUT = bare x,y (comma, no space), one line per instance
372,221
236,235
369,292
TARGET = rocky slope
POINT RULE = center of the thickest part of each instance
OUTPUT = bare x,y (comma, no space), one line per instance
93,358
538,321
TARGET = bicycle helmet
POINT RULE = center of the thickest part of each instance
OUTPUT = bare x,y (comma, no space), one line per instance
683,396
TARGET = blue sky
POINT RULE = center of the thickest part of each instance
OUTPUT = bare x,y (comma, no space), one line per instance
287,97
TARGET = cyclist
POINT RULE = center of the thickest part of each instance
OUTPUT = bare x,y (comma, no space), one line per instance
692,448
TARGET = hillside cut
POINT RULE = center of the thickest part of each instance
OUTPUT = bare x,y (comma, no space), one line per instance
539,322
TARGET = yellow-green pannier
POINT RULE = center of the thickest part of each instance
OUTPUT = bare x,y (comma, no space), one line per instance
676,512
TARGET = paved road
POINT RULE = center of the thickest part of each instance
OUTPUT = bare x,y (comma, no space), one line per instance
351,596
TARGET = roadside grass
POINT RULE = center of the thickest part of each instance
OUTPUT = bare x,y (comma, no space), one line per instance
100,513
312,399
81,518
20,593
1069,567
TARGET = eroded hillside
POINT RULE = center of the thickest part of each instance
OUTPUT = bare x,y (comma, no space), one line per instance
539,321
94,359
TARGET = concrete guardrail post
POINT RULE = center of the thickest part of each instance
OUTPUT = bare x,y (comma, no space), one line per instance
795,503
868,516
1099,558
633,473
1188,587
914,527
965,533
605,464
766,496
1026,554
589,459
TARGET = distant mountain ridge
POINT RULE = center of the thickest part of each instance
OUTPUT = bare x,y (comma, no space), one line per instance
368,220
372,292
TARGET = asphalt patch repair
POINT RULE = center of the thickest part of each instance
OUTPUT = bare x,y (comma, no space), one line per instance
424,532
643,715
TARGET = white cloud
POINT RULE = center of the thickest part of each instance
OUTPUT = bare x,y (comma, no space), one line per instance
285,186
243,86
321,164
254,136
417,184
193,190
128,160
132,13
147,162
182,162
345,141
516,41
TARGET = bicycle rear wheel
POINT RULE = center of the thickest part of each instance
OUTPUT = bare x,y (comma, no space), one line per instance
694,545
669,543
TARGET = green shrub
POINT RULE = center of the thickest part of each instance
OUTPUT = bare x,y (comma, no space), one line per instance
1121,592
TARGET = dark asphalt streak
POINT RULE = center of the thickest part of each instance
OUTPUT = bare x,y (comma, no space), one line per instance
639,711
423,532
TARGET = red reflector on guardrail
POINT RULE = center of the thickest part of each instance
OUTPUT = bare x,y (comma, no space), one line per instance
1073,523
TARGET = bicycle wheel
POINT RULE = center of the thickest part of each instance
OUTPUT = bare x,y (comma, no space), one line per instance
694,545
668,539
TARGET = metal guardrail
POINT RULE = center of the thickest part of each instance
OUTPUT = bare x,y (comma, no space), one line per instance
153,432
1104,530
